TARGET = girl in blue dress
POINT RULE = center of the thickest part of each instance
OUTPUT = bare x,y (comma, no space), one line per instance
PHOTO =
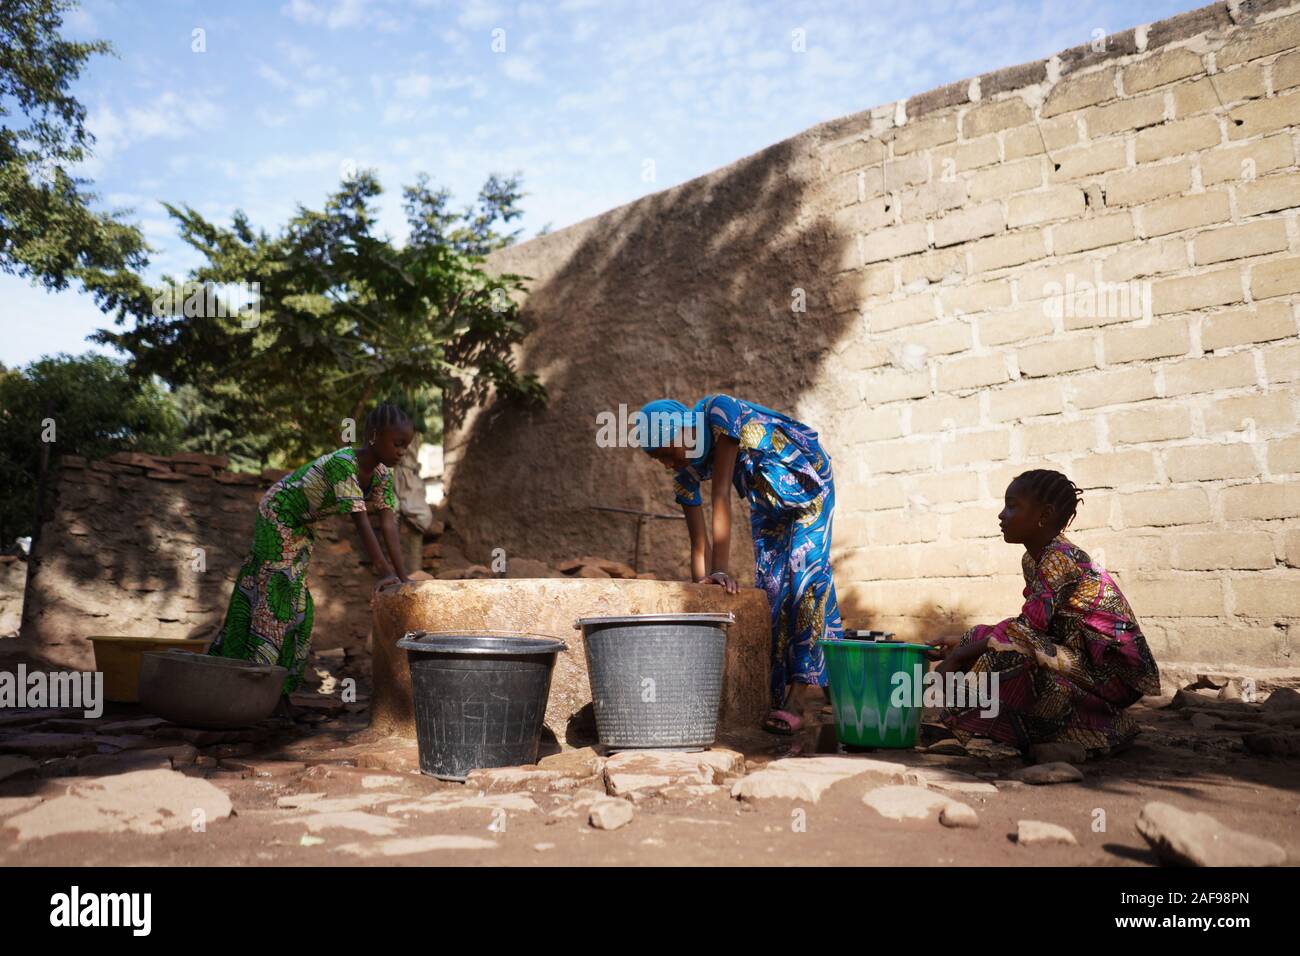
779,467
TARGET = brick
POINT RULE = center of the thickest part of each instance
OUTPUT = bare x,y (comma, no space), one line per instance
1185,212
1059,133
1286,72
893,386
1220,551
1076,58
1089,304
1264,116
1150,424
995,116
974,297
1051,279
1284,456
1166,507
934,266
967,224
980,522
908,171
1000,252
1267,322
1292,546
1016,402
864,354
959,157
1029,209
1079,90
1054,438
912,310
873,424
1247,162
1092,233
1239,242
853,154
976,447
1089,160
1271,411
954,94
1166,67
1269,597
1115,469
1186,293
1112,388
875,495
1026,322
1269,194
1210,373
1007,178
1175,597
1257,41
866,216
938,338
977,372
851,290
1275,277
1177,138
1148,182
896,456
1137,113
1282,364
1262,501
1136,344
931,199
1212,93
894,241
1213,18
1147,259
1210,462
1013,77
1053,358
938,414
948,486
924,134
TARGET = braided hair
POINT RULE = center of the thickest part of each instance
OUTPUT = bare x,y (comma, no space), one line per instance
386,415
1053,488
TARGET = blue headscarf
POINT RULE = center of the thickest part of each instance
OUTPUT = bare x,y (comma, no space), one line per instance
672,414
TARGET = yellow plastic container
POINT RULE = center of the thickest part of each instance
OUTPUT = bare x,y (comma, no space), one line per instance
118,658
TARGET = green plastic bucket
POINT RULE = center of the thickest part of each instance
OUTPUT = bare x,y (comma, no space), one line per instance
862,681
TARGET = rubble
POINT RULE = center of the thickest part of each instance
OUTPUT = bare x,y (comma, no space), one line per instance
1197,839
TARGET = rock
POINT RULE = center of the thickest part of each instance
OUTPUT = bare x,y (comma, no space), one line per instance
367,823
905,802
12,766
1058,752
361,801
1203,721
28,715
958,815
1038,833
610,814
101,765
949,781
588,571
951,747
264,768
687,793
1197,839
49,745
1273,743
1185,699
143,801
457,800
528,779
1009,784
807,778
140,725
528,568
610,568
295,800
1230,691
1045,773
632,770
376,781
578,763
1282,699
1284,718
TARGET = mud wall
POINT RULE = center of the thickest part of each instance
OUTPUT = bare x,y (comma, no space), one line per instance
1088,263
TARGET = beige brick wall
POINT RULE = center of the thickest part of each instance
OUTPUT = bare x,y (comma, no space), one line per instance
1098,272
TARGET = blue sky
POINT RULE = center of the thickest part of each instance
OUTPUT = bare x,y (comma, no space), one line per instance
287,95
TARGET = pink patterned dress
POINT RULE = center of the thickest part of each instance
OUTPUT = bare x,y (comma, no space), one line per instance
1068,665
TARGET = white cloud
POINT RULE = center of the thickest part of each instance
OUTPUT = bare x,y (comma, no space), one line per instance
521,68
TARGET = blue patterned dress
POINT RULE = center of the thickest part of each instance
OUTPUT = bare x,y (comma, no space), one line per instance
784,474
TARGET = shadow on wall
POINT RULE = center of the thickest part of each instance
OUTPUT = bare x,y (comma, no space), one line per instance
650,302
909,624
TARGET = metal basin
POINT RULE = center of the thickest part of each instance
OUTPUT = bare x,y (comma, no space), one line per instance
201,691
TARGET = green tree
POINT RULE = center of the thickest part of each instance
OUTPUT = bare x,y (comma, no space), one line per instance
345,319
96,408
48,230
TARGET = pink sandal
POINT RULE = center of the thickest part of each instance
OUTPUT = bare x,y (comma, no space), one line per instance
793,723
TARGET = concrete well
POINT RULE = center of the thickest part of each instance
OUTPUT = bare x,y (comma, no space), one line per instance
549,606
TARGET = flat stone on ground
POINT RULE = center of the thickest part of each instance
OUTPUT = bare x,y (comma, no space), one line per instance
807,778
405,846
610,814
1197,839
631,770
950,781
958,815
367,823
1038,833
906,802
1045,773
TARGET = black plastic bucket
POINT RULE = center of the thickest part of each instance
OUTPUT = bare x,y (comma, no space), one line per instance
480,697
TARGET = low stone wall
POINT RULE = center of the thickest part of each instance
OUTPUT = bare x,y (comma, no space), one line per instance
550,607
149,546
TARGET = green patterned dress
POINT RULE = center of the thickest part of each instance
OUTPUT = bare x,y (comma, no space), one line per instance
270,613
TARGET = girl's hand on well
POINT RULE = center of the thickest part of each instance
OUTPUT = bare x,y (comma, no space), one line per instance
722,579
388,580
943,647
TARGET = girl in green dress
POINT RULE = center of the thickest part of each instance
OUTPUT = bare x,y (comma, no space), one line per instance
269,617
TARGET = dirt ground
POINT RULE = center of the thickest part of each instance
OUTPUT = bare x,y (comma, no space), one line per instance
360,800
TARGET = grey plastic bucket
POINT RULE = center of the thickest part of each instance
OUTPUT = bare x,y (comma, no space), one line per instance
479,696
656,679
